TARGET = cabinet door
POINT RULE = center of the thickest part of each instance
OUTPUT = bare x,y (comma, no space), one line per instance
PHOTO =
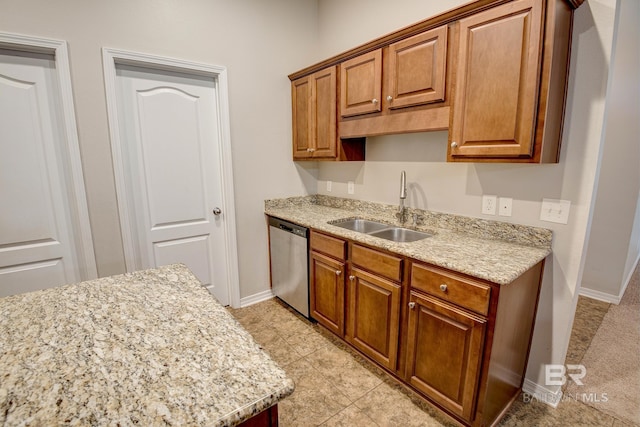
361,84
444,353
417,69
497,82
323,112
301,109
374,317
327,292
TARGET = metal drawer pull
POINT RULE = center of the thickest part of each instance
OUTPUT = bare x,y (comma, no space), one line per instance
352,278
338,272
443,287
412,305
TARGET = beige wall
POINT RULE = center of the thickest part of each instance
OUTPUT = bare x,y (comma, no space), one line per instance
259,42
614,240
457,188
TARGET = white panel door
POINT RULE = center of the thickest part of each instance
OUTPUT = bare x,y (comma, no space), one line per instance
170,147
36,246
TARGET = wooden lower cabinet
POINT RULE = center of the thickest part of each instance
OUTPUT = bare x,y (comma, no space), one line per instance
374,317
444,353
460,342
327,292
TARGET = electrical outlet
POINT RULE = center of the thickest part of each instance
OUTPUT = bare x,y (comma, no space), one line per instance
489,205
553,210
329,186
350,187
504,206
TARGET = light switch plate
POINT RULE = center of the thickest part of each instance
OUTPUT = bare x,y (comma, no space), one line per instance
553,210
489,204
350,187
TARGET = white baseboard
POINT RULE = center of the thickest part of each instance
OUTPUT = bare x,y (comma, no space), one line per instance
601,296
541,394
256,298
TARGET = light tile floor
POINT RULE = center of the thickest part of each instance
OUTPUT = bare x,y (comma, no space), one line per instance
335,386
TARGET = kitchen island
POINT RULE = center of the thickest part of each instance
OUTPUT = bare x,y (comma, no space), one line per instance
152,347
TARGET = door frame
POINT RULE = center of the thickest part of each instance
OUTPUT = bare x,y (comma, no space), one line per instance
79,212
110,59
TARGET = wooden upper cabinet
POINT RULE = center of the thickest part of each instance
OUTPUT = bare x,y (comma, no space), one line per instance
361,84
492,72
414,74
301,100
417,67
314,115
496,91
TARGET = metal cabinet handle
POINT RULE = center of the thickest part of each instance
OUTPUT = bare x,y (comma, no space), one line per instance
311,150
454,144
374,101
338,272
443,287
389,98
352,278
217,211
412,305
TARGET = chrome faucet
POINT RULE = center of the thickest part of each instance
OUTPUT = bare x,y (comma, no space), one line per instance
402,212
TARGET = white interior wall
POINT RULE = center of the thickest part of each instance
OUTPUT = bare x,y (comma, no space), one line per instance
457,188
614,242
259,42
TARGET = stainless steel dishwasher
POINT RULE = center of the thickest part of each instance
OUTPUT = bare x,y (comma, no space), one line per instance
289,253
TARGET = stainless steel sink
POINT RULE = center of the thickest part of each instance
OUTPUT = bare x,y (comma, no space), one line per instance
399,234
361,225
382,230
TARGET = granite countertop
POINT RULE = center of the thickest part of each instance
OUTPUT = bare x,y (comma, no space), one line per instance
149,348
491,250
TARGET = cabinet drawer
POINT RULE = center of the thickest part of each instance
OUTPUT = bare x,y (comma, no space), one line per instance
441,284
380,263
328,245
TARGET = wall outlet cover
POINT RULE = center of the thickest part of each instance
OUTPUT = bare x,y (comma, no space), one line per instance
504,206
489,204
350,187
329,186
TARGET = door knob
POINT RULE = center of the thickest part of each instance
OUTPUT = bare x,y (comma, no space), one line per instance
217,211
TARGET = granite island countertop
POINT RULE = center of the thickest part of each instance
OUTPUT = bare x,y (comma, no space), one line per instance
150,348
491,250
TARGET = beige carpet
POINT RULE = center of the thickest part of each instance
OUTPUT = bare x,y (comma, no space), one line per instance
612,361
